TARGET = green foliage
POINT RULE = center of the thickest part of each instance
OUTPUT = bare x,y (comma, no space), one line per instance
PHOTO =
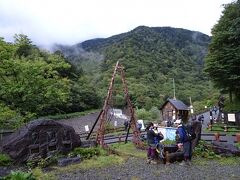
202,151
155,113
151,57
237,145
40,175
143,114
168,142
128,149
5,160
36,83
9,119
232,106
44,162
222,61
19,175
85,153
23,44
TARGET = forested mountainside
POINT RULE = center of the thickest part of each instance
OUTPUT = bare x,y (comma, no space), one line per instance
152,57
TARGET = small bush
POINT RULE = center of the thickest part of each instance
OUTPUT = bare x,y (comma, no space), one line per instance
42,163
203,151
19,175
5,160
85,153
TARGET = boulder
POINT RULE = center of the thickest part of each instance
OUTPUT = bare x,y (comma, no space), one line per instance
224,148
39,139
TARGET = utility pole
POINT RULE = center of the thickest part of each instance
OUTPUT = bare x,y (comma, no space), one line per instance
191,106
174,93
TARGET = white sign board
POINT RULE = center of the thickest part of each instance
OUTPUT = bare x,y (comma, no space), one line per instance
168,133
115,123
86,128
141,122
231,118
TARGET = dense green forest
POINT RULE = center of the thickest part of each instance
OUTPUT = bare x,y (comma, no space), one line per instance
152,57
36,83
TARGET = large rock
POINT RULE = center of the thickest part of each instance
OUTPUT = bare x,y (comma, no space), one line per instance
39,139
224,148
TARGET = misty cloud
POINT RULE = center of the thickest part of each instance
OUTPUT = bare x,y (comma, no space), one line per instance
72,21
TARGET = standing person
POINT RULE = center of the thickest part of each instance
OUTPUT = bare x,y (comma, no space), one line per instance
202,118
211,115
184,142
125,125
139,126
215,109
151,153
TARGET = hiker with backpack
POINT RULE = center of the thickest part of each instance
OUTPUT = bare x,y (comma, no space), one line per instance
151,135
184,137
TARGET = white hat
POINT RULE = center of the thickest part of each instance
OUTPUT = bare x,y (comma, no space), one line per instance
178,121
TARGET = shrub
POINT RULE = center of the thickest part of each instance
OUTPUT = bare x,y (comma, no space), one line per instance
155,113
86,153
42,163
5,160
203,151
143,114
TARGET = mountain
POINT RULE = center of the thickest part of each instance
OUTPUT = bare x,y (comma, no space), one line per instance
152,57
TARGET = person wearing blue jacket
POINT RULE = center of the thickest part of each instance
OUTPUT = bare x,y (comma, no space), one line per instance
184,143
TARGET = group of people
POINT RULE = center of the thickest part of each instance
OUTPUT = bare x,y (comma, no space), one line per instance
184,137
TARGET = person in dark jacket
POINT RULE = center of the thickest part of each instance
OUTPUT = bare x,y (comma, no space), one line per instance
185,143
151,153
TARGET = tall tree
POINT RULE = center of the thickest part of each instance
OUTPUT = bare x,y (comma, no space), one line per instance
223,59
24,45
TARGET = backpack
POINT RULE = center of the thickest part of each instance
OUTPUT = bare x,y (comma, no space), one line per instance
190,134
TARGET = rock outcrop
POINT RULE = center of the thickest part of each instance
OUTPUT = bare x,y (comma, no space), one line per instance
40,139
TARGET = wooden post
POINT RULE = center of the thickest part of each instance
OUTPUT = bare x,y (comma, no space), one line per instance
238,137
119,139
167,158
217,136
225,128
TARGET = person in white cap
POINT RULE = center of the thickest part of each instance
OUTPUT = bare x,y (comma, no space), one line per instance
184,143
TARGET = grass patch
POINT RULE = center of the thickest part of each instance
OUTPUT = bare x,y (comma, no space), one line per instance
40,175
5,160
200,161
96,162
129,149
229,161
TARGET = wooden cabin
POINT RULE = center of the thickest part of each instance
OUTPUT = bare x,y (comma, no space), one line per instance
174,109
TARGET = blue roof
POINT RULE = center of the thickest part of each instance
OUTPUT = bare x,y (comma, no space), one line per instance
178,104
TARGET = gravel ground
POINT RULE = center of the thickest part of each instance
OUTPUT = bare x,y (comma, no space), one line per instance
138,169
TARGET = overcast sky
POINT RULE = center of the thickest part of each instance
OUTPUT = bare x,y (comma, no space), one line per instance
73,21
